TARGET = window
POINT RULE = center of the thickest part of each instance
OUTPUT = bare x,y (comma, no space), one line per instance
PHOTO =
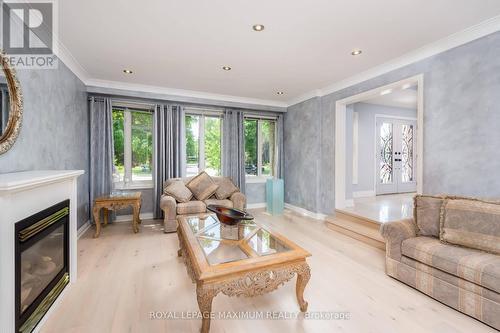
260,147
133,145
203,144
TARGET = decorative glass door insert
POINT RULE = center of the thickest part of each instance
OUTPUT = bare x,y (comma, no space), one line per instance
386,153
396,156
407,160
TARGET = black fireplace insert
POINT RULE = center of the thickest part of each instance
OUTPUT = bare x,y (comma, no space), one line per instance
41,263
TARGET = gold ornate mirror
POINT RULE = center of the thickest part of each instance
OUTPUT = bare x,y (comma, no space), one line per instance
11,105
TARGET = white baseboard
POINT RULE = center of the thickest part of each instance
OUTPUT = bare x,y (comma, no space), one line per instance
363,194
127,218
305,212
257,205
82,229
349,202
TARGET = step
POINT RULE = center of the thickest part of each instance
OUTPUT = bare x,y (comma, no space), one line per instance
357,227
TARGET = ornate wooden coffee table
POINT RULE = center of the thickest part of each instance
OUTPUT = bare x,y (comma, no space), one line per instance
114,201
258,262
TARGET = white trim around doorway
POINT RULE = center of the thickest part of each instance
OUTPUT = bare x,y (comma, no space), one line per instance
340,133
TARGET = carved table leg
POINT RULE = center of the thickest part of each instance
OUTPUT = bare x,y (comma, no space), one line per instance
205,295
106,216
140,206
135,223
303,276
179,251
96,221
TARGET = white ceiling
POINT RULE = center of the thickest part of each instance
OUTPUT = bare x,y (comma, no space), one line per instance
405,98
306,44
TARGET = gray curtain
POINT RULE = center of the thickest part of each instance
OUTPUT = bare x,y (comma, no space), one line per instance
233,147
101,148
280,163
169,149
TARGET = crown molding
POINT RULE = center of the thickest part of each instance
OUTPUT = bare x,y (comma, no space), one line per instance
70,61
457,39
93,85
305,97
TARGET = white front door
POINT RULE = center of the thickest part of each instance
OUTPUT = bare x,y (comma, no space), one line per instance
396,156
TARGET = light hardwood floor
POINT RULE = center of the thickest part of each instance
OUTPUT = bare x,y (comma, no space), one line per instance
383,208
124,276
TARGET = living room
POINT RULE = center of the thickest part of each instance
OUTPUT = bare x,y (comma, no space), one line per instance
334,168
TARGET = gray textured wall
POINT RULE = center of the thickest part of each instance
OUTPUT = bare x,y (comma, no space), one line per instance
461,128
54,134
303,145
255,193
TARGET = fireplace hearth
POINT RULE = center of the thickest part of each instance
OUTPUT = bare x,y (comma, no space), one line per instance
41,263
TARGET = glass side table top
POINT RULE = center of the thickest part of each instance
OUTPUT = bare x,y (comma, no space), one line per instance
251,240
117,195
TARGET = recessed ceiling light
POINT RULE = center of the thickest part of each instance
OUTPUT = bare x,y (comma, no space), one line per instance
258,27
127,71
385,92
280,92
226,68
356,52
406,86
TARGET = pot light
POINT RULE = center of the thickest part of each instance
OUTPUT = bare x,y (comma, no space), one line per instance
127,71
406,86
356,52
279,92
385,92
258,27
226,68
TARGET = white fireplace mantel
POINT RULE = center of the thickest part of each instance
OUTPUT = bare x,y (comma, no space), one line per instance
23,194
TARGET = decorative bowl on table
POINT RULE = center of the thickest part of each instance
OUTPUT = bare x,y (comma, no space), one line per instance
229,216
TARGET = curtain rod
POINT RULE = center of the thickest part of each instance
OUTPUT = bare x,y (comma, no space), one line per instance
124,101
129,102
260,116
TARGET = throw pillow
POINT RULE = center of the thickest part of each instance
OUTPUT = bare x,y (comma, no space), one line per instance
471,223
226,188
179,191
202,186
426,213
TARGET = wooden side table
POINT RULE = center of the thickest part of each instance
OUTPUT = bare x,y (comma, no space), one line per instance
117,201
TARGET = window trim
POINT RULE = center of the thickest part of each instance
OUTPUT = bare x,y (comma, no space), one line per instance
260,178
202,114
127,152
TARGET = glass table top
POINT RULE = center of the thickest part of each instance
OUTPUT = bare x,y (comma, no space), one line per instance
221,243
263,243
120,195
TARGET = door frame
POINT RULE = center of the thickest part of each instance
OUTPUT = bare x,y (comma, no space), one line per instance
340,133
375,142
